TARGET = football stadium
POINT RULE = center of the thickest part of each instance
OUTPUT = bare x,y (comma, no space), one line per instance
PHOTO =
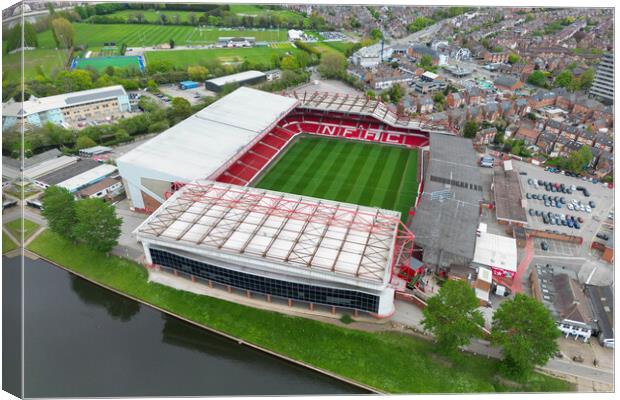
301,199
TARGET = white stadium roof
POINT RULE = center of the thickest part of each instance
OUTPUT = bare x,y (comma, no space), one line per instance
199,145
283,232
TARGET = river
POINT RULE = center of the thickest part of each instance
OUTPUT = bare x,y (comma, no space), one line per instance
84,341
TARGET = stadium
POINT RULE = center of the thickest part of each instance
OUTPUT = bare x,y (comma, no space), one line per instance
301,199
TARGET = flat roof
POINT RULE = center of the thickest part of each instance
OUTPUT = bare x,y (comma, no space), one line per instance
447,218
74,183
36,105
496,251
199,145
74,169
99,186
507,193
49,166
96,150
293,234
234,78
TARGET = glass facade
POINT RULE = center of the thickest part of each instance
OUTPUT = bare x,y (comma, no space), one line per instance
288,290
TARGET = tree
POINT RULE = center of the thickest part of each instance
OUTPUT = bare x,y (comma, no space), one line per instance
396,93
197,73
586,79
537,78
527,333
426,61
59,211
452,316
97,225
564,79
84,142
332,65
376,34
180,109
513,58
63,32
171,43
470,129
72,81
289,63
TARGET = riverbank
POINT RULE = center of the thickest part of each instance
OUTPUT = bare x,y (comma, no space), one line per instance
387,361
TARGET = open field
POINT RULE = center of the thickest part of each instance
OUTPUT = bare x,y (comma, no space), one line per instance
368,174
184,58
7,243
153,15
100,63
47,59
95,35
391,362
257,11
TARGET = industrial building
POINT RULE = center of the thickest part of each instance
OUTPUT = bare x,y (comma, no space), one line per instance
241,78
71,173
66,109
509,208
448,214
278,246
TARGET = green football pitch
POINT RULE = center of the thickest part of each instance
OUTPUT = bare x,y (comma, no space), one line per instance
368,174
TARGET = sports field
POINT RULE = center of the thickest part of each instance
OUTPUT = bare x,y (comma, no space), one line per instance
368,174
100,63
185,58
95,35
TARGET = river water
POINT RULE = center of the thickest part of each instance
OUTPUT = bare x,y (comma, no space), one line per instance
83,340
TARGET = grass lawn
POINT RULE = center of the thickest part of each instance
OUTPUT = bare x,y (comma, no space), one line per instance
184,58
48,59
368,174
16,191
95,35
324,48
340,46
15,228
7,243
100,63
392,362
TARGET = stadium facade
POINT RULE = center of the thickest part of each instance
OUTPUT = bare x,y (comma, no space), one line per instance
208,223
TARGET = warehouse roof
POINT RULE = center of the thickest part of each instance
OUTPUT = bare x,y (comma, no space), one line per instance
235,78
36,105
447,217
68,172
294,234
87,177
602,302
508,197
199,145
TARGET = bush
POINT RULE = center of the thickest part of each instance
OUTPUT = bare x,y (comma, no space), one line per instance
346,319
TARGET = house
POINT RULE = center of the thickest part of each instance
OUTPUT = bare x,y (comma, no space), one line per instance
507,108
569,148
553,126
508,83
455,100
429,82
492,57
473,96
419,50
542,98
545,141
528,134
105,188
586,138
425,105
491,111
605,164
485,136
604,142
522,106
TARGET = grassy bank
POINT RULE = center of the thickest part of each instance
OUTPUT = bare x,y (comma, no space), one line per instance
15,227
391,362
7,243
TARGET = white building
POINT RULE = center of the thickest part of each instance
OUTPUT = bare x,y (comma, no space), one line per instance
370,56
495,252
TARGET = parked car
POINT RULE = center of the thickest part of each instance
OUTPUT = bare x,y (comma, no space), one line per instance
528,196
570,223
580,220
531,212
577,226
602,236
544,246
592,204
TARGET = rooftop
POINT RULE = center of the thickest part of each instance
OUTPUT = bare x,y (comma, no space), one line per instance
447,217
74,169
76,182
507,195
36,105
201,144
239,77
293,234
496,251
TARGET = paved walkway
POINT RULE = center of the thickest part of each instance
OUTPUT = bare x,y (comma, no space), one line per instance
517,285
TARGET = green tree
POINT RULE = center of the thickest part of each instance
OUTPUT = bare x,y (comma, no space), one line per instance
513,58
564,79
585,80
527,333
59,211
396,93
452,316
63,32
470,129
376,34
97,225
197,73
289,63
537,78
371,94
73,81
332,65
84,142
181,109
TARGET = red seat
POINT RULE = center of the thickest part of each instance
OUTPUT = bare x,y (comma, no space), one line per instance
263,150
